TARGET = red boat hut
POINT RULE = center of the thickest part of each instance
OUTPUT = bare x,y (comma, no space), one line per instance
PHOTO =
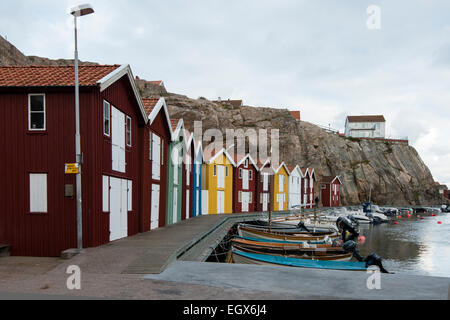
331,191
244,184
37,130
155,138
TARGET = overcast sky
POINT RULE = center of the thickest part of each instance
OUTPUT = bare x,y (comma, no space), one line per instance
315,56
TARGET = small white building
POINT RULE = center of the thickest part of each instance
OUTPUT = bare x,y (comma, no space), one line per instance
365,126
295,187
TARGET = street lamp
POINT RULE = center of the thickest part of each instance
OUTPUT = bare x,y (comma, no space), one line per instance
78,11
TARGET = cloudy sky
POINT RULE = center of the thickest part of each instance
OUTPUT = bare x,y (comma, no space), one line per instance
316,56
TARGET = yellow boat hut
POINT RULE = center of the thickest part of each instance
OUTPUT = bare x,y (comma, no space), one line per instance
217,182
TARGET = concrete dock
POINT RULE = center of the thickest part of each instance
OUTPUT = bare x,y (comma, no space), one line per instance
166,264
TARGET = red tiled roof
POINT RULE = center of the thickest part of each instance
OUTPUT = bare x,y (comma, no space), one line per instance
290,168
158,83
296,115
52,76
149,104
174,123
377,118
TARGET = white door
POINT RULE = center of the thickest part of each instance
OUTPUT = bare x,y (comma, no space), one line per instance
281,183
221,177
118,140
175,205
124,209
154,218
220,201
265,201
187,204
197,202
205,202
245,179
280,198
265,182
156,157
118,216
245,201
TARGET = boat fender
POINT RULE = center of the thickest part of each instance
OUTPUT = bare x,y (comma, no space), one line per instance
375,260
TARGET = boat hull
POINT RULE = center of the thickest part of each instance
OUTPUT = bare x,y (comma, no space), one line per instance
241,257
266,235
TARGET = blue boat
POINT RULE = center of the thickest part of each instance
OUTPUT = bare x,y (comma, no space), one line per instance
265,259
279,241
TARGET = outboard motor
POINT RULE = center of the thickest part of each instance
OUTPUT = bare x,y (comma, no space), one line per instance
375,260
353,219
351,246
301,225
367,207
344,225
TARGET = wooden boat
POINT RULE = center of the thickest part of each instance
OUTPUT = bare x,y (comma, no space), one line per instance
285,245
288,229
292,225
247,232
242,257
315,254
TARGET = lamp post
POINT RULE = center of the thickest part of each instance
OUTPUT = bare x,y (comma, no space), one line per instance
78,11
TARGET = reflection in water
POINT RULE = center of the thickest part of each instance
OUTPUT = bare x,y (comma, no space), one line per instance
413,246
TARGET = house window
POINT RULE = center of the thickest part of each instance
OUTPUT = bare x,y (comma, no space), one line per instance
250,174
106,118
226,171
215,170
128,131
38,193
240,173
36,109
246,163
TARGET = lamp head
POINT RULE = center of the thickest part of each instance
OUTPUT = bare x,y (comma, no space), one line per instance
82,10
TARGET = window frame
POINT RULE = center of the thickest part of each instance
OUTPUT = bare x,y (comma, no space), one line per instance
109,118
128,131
44,111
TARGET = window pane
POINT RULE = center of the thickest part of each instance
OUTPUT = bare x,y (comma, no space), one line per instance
37,120
106,118
37,103
128,130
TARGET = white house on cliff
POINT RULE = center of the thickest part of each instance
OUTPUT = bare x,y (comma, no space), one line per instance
365,126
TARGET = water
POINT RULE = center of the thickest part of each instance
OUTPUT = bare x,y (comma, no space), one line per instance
414,246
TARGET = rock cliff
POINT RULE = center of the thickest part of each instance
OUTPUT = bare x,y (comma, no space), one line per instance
394,173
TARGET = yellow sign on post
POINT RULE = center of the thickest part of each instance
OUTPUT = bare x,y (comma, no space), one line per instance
72,168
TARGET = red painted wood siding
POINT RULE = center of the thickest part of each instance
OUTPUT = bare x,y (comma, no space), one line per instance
238,186
160,128
47,152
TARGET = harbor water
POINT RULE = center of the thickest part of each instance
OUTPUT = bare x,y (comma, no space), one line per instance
413,246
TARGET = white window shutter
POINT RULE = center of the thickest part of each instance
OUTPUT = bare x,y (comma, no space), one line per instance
130,195
105,194
38,193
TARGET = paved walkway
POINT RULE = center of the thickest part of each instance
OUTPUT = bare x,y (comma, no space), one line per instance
117,270
303,283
